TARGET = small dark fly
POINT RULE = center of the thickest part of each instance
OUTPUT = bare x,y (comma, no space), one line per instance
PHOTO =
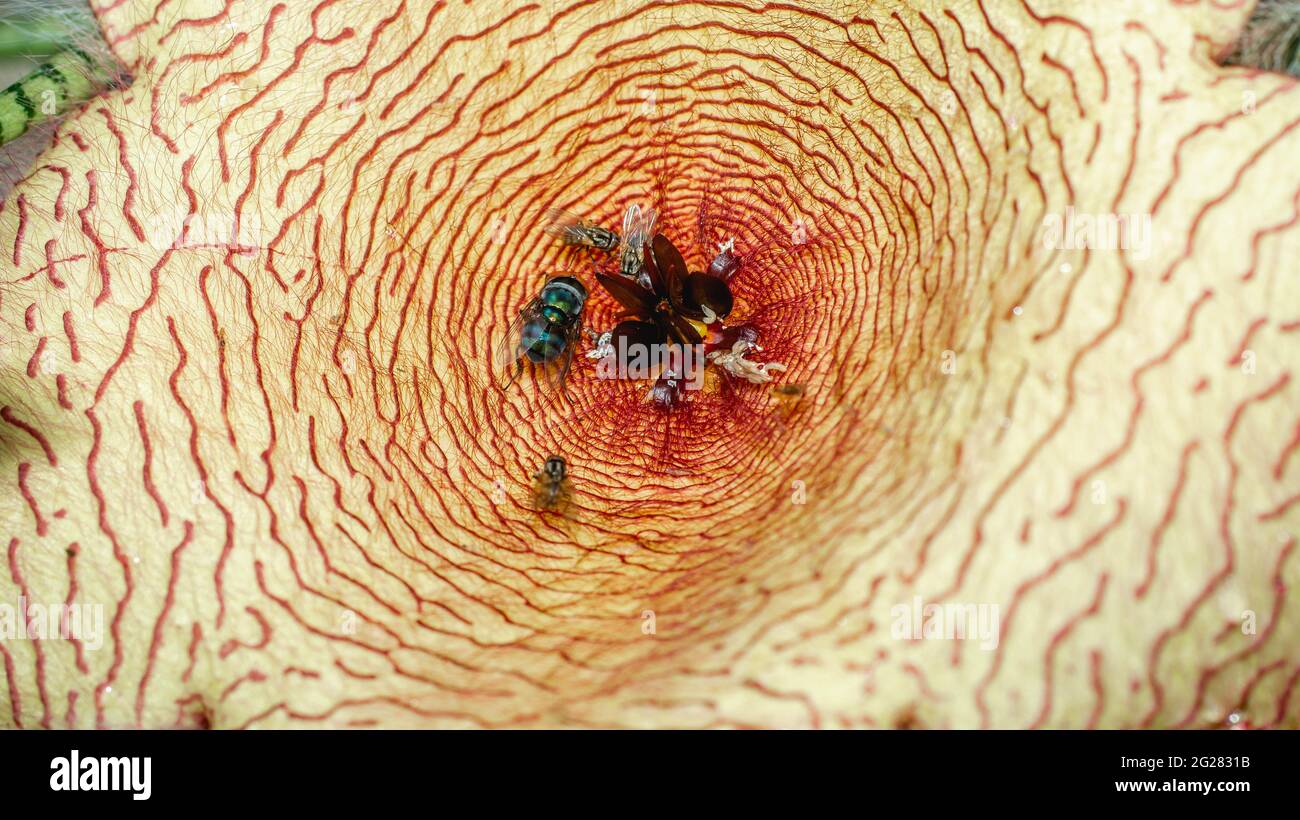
578,231
545,332
638,227
550,484
788,397
789,392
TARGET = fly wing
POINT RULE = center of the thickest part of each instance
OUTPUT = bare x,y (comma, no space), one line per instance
556,372
550,495
572,229
563,225
507,349
638,226
631,218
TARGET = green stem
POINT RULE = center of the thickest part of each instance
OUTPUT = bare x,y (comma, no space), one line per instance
32,38
66,80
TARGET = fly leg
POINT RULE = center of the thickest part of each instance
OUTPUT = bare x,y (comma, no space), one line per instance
568,360
519,368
